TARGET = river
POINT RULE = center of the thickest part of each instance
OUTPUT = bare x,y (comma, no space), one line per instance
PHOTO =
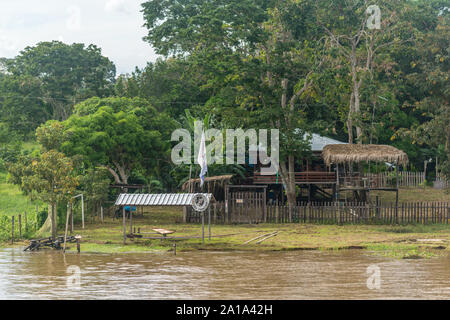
220,275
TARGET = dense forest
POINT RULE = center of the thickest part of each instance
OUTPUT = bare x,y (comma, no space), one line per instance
299,66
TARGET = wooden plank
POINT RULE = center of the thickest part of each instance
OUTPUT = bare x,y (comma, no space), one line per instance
265,238
259,237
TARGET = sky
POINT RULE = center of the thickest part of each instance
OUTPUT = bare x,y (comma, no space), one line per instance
116,26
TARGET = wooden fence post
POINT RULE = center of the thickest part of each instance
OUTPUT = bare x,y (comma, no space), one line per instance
12,229
20,226
209,223
277,212
71,217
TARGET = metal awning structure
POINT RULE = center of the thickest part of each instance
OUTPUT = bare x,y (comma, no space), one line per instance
158,199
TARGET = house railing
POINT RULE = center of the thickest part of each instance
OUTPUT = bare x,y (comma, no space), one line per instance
383,180
380,180
306,177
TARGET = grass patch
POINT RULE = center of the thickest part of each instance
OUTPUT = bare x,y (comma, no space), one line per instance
392,241
412,195
403,251
13,201
417,228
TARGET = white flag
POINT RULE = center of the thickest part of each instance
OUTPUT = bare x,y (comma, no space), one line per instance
201,159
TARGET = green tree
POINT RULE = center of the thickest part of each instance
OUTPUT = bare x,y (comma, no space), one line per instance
261,59
95,184
360,49
426,81
170,85
50,135
64,73
119,134
51,180
21,107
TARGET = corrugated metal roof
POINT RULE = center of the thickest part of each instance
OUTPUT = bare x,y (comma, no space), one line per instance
318,142
157,199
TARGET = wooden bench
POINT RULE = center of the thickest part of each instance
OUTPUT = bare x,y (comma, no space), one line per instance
163,232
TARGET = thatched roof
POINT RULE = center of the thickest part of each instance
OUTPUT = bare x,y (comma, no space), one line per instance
223,178
351,153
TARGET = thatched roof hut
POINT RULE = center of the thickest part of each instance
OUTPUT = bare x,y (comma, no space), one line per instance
354,153
221,180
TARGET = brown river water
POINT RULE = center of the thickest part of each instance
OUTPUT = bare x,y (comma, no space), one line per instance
220,275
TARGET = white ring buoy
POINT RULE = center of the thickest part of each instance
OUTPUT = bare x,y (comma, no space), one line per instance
200,202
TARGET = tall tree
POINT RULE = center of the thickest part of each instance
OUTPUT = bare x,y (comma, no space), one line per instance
261,59
358,45
170,85
119,134
426,81
66,73
49,178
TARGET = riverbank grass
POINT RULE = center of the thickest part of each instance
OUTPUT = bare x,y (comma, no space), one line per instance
410,241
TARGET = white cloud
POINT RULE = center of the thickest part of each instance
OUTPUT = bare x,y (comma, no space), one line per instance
117,6
104,23
7,44
73,22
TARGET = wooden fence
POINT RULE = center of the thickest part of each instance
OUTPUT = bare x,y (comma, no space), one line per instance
445,183
15,227
328,213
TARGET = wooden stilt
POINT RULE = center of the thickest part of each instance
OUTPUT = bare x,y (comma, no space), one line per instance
203,227
71,218
124,226
131,219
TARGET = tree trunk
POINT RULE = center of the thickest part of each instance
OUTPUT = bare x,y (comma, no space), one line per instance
357,110
354,98
120,176
349,120
288,177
